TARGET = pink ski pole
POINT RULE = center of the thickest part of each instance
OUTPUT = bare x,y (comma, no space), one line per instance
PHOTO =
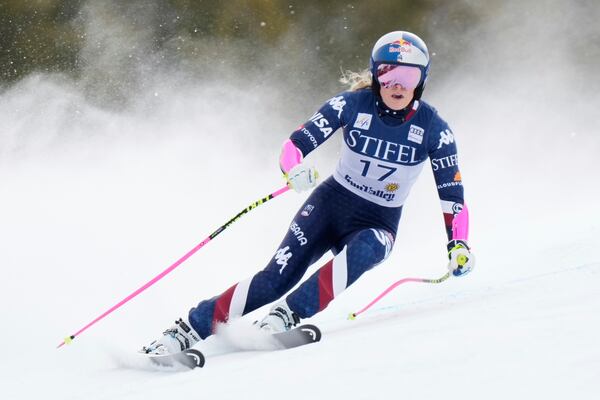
187,255
393,286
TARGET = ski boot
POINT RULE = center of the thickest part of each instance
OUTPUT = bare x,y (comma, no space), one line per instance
178,338
279,319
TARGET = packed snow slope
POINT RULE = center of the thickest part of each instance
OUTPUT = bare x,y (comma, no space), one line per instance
78,236
84,224
97,200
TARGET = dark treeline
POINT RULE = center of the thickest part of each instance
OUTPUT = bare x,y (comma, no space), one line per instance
60,35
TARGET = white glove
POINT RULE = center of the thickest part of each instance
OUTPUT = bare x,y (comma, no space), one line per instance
462,261
302,177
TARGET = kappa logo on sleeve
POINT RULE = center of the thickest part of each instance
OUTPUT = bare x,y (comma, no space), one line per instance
446,137
338,103
363,121
415,134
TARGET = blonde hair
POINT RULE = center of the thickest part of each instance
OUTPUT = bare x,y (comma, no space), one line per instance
357,80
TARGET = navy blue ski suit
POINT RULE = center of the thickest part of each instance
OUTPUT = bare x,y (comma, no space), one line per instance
355,212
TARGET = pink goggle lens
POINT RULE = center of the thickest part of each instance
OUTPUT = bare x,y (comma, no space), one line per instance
390,75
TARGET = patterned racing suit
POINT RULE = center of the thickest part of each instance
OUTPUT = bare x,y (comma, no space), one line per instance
355,212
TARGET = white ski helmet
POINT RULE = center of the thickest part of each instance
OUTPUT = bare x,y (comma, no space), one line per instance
402,48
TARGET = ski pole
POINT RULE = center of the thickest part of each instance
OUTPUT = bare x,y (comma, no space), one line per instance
187,255
392,287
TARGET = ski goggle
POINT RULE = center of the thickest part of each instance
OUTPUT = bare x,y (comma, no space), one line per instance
390,75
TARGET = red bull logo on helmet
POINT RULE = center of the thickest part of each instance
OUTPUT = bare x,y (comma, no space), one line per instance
402,42
400,46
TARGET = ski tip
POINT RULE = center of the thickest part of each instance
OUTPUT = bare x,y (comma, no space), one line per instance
195,359
298,336
352,316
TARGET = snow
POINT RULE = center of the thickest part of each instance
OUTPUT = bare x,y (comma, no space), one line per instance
95,202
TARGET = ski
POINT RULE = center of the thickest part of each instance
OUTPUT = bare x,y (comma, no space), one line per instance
299,336
190,358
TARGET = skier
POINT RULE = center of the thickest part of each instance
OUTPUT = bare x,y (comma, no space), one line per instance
388,135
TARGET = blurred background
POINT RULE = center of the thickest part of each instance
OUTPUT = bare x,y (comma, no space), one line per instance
68,36
108,46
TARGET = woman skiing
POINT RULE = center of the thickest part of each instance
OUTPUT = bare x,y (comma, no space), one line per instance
389,133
